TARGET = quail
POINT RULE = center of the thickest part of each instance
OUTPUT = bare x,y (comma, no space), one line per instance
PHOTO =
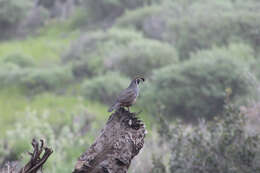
128,96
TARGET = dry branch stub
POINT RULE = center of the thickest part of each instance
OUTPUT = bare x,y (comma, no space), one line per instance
37,159
118,143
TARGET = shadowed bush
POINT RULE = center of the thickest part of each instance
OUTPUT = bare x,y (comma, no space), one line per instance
213,23
11,13
223,145
99,10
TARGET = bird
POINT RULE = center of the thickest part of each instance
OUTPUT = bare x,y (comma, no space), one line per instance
128,96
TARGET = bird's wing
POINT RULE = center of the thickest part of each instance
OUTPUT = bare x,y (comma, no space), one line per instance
126,96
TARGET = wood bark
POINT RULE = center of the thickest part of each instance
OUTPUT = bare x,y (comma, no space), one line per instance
37,159
119,142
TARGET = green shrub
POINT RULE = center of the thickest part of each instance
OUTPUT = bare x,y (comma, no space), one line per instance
119,50
238,51
196,88
104,88
148,20
219,146
33,21
88,53
135,18
20,60
42,79
66,140
34,79
78,19
10,75
99,10
201,25
255,68
96,42
11,13
142,56
194,25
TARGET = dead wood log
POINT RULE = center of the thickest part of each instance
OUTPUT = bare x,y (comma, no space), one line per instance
120,140
37,161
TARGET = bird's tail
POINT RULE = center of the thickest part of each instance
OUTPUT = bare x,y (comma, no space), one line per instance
114,107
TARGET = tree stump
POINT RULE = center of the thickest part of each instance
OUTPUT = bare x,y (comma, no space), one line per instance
120,140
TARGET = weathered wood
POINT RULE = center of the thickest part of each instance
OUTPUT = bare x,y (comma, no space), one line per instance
37,161
120,140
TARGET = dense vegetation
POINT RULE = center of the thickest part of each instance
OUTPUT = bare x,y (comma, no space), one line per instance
63,62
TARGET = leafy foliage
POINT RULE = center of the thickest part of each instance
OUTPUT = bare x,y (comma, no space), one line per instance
10,74
146,19
42,79
196,88
19,59
141,57
35,79
109,9
219,146
87,54
104,88
60,138
125,51
238,51
11,13
229,22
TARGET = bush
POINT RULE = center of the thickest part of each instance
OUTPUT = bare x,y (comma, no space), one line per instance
213,23
142,56
78,19
219,146
10,75
99,10
196,88
20,60
93,42
34,79
146,19
104,88
201,24
33,21
255,68
11,13
67,140
120,50
87,54
238,51
46,79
